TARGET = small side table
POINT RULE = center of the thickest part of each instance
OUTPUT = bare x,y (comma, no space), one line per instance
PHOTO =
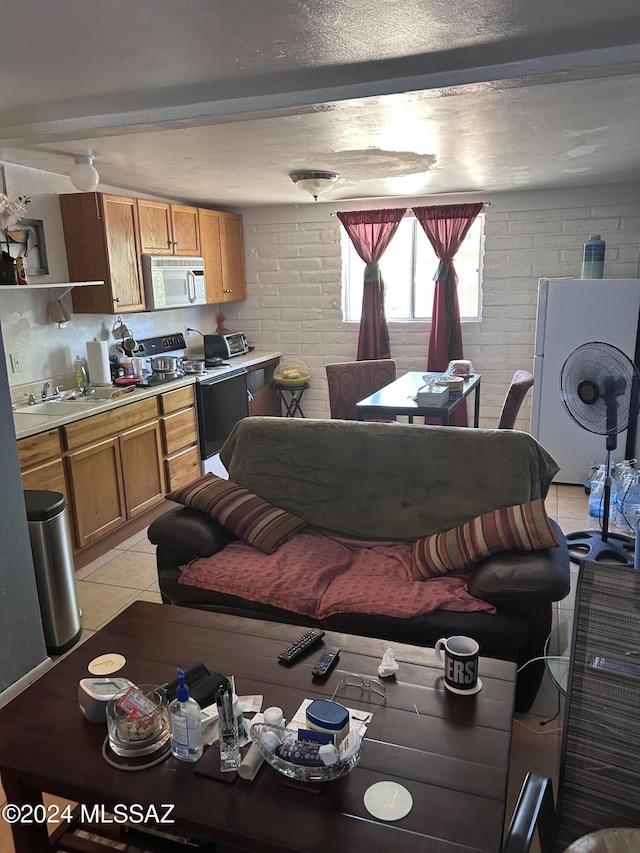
292,403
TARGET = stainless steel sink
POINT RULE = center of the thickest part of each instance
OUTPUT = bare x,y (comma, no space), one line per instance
57,407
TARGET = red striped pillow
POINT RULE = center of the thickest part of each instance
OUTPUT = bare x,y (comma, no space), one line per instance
251,518
525,527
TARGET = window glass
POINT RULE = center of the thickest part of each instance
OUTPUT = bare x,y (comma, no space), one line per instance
408,267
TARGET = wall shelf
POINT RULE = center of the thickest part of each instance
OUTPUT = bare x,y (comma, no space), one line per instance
68,285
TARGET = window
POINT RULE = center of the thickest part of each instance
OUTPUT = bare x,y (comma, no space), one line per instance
408,267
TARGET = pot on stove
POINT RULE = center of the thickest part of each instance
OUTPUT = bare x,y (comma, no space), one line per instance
165,363
193,365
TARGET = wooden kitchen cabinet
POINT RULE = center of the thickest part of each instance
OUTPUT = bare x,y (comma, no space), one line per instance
101,238
223,252
168,229
41,463
180,437
142,468
115,468
95,477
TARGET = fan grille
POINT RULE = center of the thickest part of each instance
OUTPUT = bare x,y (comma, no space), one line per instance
605,367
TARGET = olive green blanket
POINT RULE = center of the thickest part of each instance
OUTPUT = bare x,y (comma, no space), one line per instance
385,481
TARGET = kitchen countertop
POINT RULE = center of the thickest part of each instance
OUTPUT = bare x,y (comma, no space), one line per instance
28,424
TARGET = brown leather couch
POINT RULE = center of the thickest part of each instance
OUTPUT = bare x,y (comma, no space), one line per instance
389,481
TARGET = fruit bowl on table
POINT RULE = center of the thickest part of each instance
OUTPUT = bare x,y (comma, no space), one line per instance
299,772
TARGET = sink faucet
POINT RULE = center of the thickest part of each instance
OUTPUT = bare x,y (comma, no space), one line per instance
45,390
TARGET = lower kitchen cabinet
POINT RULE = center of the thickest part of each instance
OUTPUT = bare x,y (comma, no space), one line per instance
114,467
41,462
142,468
180,437
96,483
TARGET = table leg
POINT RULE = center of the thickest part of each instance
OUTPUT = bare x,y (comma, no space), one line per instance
27,837
476,407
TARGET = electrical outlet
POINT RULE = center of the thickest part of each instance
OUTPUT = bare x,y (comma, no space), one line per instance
16,365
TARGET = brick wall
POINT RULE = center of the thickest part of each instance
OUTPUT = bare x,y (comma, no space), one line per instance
293,267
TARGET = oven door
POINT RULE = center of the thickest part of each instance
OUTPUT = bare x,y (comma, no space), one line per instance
221,404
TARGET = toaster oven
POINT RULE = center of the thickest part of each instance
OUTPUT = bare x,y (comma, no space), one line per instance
225,346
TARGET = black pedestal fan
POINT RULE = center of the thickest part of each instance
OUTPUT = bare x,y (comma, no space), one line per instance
599,386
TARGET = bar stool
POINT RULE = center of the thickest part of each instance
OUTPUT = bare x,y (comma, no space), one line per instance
292,403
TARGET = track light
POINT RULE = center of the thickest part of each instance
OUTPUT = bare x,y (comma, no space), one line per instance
84,175
314,182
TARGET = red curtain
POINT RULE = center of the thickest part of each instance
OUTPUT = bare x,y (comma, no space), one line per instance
371,232
446,226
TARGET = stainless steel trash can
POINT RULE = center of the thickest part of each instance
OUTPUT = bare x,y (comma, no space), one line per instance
53,563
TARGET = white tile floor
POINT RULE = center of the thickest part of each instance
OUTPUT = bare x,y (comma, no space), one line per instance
127,573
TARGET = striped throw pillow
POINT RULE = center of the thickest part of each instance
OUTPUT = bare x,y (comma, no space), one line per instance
525,527
252,519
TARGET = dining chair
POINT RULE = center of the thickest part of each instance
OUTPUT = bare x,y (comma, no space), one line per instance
351,381
520,384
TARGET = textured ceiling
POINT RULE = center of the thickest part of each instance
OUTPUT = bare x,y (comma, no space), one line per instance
217,102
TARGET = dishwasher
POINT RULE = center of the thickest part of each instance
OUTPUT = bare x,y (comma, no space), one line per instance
222,400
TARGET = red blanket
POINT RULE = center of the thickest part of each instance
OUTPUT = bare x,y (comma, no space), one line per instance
320,576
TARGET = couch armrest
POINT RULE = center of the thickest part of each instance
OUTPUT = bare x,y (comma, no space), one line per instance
185,533
514,574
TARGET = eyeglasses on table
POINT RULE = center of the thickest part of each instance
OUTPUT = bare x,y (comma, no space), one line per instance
351,683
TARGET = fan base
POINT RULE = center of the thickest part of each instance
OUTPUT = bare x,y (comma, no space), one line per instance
589,545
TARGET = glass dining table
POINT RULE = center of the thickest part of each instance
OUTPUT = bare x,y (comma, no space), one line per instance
398,398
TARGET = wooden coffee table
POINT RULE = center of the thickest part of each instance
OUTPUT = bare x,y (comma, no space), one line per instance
452,754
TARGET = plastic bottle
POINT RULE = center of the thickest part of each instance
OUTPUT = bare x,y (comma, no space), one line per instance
185,723
596,496
81,374
630,508
593,257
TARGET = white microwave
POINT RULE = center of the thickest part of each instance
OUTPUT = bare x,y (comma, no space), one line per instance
173,282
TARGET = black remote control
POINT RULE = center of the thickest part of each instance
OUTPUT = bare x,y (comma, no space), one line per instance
300,647
326,661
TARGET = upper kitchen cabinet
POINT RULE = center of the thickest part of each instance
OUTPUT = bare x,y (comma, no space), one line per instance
168,229
101,237
222,250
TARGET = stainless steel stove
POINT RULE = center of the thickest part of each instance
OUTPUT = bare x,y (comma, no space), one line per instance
222,397
175,345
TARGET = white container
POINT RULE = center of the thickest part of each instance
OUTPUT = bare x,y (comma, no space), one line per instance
435,396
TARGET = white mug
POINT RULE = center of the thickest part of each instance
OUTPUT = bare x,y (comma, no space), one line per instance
460,662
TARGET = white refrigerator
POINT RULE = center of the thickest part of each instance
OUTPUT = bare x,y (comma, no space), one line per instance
572,312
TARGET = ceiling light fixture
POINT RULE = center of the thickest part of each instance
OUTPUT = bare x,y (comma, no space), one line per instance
315,182
84,175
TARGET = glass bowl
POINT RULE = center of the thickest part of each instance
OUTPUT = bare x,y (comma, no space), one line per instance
130,738
299,772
